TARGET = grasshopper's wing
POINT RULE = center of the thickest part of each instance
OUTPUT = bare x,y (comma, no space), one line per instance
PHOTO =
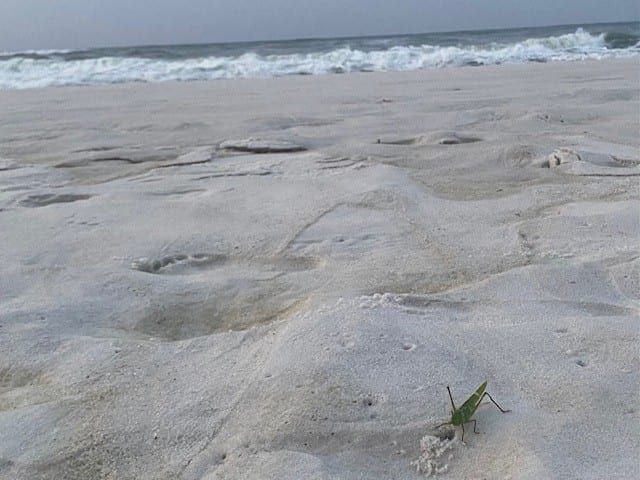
469,407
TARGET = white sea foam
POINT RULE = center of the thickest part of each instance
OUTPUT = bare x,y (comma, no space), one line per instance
36,52
19,72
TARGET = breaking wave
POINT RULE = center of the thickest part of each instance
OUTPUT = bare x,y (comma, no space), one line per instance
57,68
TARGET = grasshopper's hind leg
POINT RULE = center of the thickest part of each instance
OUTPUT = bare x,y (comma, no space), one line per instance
486,394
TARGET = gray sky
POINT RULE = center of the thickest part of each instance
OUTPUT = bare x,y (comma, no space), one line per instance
39,24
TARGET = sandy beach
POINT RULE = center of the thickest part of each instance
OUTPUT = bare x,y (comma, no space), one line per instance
278,278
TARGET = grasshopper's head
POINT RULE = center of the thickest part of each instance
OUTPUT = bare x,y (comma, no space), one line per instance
457,418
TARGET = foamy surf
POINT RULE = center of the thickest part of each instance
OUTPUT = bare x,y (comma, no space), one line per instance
36,69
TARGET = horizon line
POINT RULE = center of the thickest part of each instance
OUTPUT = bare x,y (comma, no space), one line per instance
300,39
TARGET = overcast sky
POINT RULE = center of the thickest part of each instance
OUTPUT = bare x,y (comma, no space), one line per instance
40,24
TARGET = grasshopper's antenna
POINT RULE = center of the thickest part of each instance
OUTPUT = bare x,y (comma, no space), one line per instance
451,398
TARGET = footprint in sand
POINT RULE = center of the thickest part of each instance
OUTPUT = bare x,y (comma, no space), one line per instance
43,200
437,138
256,145
178,263
224,293
592,164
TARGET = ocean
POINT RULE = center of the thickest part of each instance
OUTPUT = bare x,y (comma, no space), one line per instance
34,69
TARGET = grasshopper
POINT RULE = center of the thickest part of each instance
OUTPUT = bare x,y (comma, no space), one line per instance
462,415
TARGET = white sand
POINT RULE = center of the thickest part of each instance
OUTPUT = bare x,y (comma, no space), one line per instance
173,308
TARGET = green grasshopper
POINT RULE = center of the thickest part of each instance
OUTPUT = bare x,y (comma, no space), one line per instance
462,415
